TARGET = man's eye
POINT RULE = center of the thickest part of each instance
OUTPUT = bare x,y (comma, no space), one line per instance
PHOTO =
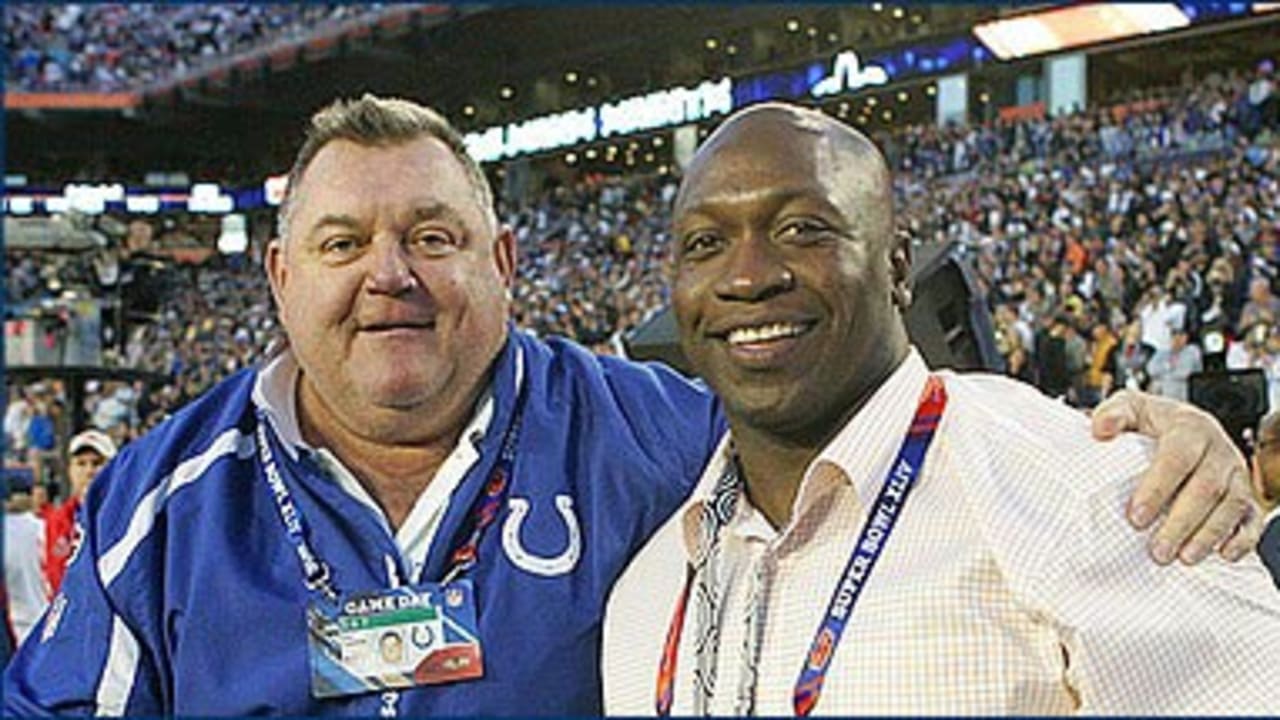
433,242
700,244
339,245
802,230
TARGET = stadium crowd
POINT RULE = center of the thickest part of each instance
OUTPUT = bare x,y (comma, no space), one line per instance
1130,244
113,47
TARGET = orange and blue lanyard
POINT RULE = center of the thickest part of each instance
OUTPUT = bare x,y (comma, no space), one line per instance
881,520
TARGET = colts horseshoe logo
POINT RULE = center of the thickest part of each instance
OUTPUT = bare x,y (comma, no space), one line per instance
537,564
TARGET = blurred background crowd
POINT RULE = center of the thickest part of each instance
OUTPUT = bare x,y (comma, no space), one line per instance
110,47
1127,245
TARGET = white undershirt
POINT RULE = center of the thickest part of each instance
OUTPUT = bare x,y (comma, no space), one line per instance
275,392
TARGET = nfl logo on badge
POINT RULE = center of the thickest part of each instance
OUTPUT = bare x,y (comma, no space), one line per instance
453,597
821,652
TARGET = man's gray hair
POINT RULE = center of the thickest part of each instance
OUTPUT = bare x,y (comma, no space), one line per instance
378,121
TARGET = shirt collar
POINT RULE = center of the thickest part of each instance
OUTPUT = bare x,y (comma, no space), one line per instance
275,392
862,451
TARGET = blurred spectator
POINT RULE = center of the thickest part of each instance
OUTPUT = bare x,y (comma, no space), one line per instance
24,548
1100,379
1060,351
87,453
1262,98
17,419
1171,369
1263,307
1259,348
1131,359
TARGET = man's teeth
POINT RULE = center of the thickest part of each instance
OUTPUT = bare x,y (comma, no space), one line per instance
764,333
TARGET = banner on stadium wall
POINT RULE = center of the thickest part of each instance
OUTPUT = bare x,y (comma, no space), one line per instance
634,114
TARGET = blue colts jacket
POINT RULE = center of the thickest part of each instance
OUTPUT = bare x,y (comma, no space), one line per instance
187,598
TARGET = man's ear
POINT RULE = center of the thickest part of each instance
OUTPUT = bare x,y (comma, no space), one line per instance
900,269
504,256
277,272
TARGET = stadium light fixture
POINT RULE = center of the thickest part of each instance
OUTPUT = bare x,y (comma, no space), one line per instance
712,43
469,110
903,96
877,7
571,77
234,237
887,115
1077,26
833,38
571,158
591,153
899,13
506,92
731,49
931,90
657,141
811,32
793,25
871,101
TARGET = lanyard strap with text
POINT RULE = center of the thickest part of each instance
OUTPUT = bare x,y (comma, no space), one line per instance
315,570
881,520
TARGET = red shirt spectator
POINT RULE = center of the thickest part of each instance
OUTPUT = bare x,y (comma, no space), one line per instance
89,452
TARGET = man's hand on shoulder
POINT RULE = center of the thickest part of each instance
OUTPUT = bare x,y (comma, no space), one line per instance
1197,474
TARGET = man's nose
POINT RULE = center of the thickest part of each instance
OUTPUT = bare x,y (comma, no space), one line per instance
390,271
755,271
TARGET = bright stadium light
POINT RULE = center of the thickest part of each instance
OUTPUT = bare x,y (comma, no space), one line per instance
1077,26
234,238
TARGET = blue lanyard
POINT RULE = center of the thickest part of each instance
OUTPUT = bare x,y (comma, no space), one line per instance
315,571
881,519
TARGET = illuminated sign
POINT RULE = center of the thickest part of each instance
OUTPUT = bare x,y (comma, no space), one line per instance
667,107
91,199
848,74
1077,26
142,204
659,109
208,198
551,131
20,205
